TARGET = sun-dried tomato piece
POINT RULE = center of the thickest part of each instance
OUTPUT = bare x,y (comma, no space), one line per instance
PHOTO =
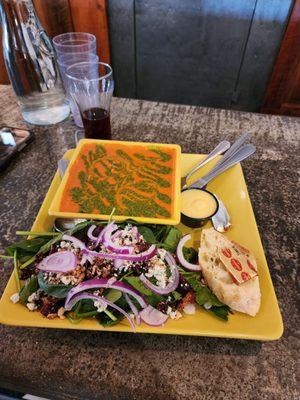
188,298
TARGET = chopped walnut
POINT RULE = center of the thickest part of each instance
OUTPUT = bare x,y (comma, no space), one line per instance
101,269
61,312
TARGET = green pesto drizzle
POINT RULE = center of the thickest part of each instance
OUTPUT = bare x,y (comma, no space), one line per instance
130,183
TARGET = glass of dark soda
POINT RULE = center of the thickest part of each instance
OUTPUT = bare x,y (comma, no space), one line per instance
91,86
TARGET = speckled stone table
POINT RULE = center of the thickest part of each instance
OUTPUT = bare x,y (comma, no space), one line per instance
102,365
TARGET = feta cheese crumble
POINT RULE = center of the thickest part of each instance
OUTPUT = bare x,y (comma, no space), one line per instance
15,298
34,296
31,306
161,253
173,314
100,305
158,270
32,299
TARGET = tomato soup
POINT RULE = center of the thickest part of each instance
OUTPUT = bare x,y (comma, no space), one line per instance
137,180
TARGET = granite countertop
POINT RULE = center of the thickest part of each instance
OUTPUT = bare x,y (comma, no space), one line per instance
92,365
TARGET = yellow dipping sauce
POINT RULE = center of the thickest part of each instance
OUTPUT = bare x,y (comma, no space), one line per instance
197,203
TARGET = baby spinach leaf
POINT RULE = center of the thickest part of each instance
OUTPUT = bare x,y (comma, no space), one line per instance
87,314
30,287
135,282
47,246
113,295
83,306
164,236
147,234
105,320
27,246
78,227
221,312
171,239
150,297
204,295
60,291
41,244
190,254
176,295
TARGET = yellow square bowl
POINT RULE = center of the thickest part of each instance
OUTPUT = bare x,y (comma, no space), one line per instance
140,180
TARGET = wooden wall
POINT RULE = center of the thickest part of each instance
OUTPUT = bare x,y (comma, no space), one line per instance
3,74
283,93
217,53
59,16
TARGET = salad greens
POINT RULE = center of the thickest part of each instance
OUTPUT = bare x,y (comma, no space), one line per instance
27,247
29,252
60,291
81,227
150,297
204,296
164,236
30,287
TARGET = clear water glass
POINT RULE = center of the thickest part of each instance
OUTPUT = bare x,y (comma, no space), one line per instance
74,42
91,85
64,62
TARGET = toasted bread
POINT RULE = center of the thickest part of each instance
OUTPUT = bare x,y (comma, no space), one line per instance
245,297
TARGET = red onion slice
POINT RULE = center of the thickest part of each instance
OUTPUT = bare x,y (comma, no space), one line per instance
146,255
104,230
116,235
78,243
90,233
112,280
152,316
180,256
62,261
174,278
111,245
135,233
75,299
104,283
133,309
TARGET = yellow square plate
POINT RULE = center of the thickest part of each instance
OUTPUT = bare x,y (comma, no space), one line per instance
231,188
82,148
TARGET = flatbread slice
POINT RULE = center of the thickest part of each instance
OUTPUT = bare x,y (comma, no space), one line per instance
243,297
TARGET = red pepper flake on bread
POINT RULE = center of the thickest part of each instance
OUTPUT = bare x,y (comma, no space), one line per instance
230,271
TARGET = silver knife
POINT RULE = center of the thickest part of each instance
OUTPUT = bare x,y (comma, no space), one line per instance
240,155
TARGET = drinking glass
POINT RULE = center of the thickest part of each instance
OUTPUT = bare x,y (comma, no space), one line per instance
64,62
74,42
91,85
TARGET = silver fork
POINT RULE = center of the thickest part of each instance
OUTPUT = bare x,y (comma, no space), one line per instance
239,155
